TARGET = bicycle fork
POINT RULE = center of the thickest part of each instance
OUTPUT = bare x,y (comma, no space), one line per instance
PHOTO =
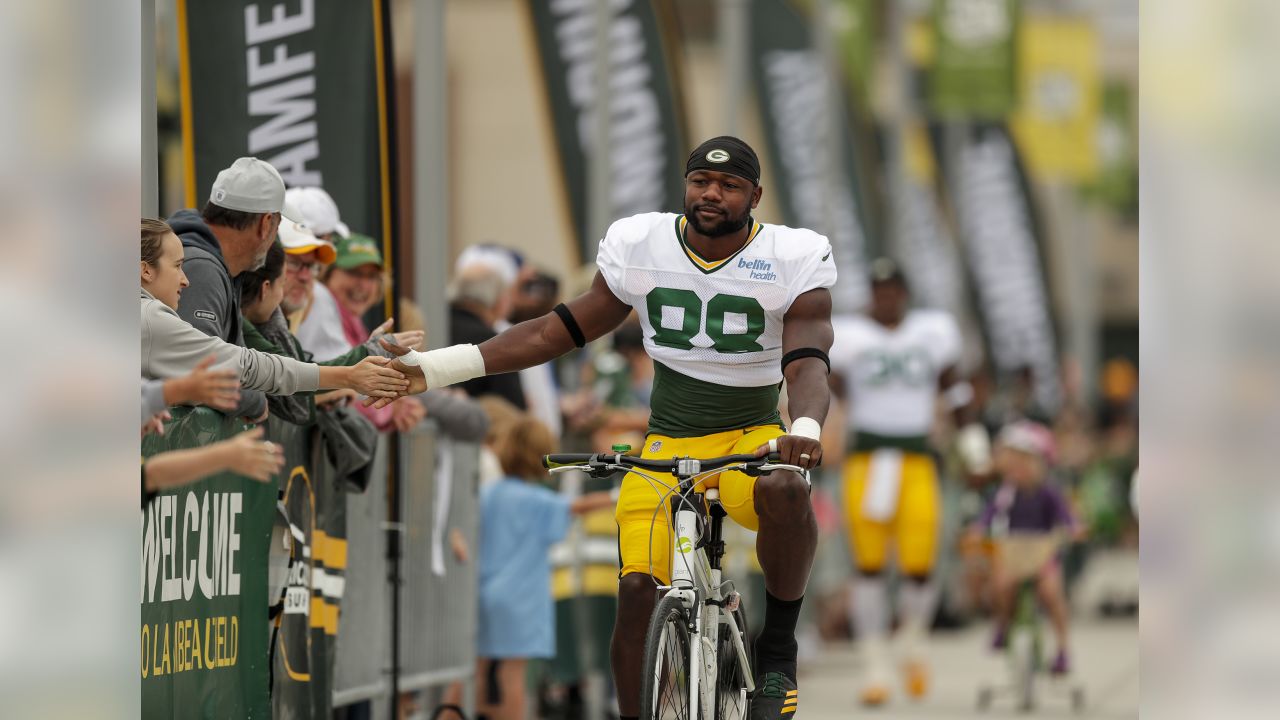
724,604
690,573
696,575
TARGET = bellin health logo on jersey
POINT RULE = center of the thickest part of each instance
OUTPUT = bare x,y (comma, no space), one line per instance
760,269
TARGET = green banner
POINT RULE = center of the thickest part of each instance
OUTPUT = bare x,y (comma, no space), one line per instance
854,25
1117,183
204,585
792,90
974,70
648,145
297,84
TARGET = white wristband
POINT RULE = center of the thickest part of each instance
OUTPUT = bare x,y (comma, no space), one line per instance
973,444
446,366
806,427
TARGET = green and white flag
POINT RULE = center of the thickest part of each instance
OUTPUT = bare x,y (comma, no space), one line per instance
1117,183
854,25
974,70
647,142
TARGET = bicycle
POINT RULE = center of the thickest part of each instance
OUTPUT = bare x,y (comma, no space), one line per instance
1025,650
698,629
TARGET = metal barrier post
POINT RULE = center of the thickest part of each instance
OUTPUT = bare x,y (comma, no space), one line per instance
438,623
363,640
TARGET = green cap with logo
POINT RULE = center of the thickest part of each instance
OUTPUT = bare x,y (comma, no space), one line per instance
357,250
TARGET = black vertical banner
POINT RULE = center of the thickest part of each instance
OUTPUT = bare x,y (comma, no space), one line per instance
648,144
303,85
926,243
792,89
1005,252
297,83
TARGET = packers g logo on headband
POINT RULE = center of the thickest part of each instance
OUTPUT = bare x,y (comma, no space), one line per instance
718,156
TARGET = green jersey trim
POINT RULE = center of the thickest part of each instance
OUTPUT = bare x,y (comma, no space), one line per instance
682,406
709,266
869,442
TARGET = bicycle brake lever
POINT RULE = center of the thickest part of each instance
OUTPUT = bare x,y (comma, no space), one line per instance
603,471
770,467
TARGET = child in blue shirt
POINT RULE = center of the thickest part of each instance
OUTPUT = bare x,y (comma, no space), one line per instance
520,519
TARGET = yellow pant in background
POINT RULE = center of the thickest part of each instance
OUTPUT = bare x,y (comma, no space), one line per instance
912,529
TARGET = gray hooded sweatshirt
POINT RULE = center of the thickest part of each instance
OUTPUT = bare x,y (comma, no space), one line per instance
172,348
212,303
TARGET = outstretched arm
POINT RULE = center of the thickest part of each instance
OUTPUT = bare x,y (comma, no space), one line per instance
531,343
807,324
543,339
959,397
972,441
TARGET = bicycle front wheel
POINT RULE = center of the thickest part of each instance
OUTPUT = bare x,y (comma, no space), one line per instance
732,702
664,690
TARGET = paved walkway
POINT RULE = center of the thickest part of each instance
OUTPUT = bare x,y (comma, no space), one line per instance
1105,659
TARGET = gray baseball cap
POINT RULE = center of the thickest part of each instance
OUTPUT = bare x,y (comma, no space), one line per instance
249,185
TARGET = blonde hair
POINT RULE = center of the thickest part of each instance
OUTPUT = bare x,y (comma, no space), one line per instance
501,413
521,447
154,231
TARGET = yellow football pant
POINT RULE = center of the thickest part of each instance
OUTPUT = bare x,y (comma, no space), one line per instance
644,536
912,529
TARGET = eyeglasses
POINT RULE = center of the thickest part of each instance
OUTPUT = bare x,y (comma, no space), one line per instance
298,266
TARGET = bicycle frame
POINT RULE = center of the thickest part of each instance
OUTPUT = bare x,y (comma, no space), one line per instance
1024,655
696,520
696,580
1025,660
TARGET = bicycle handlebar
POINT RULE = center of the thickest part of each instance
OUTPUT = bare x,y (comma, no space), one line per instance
602,461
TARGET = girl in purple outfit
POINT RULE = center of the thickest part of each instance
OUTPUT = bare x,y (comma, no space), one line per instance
1028,519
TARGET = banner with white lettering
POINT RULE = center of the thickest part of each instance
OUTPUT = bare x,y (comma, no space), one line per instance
792,89
204,585
1005,251
296,83
925,242
648,143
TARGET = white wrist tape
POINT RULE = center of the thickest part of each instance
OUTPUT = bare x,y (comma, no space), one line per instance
446,366
806,427
973,444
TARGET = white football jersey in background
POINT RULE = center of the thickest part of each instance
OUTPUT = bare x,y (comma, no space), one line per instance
891,375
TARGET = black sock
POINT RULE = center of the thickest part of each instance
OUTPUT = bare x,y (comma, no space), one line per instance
776,646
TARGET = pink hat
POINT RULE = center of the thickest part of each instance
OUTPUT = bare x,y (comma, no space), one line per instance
1030,437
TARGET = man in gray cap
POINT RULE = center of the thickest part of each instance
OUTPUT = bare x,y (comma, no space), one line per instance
229,236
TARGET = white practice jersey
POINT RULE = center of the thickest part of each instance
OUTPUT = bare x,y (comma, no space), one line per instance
718,322
892,374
